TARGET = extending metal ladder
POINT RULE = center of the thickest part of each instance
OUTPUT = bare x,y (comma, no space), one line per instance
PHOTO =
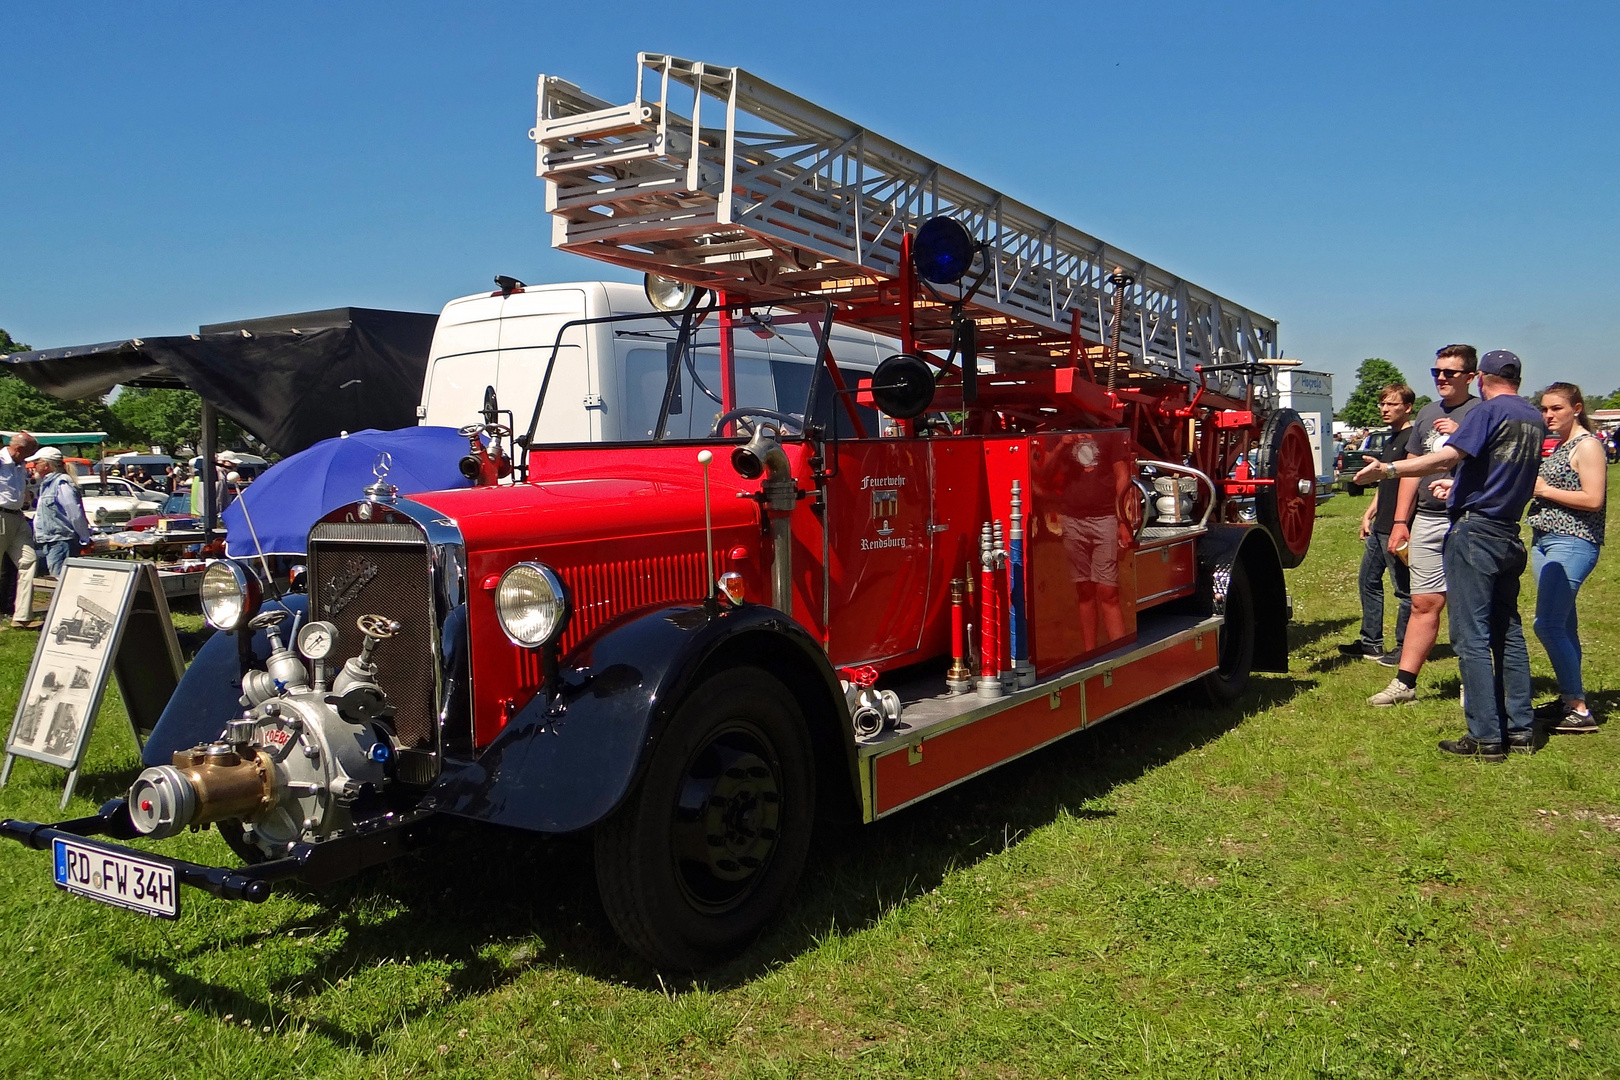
716,177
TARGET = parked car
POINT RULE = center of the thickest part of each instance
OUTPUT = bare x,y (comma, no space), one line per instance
1351,461
114,501
176,507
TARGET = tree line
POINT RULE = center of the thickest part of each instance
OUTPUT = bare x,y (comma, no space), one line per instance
1375,373
138,417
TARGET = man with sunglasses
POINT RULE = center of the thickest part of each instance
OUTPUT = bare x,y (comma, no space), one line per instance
1421,521
1494,459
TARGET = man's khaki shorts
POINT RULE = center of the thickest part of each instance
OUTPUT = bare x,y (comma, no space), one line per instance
1425,554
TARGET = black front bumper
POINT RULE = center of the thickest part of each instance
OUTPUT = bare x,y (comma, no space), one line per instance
376,840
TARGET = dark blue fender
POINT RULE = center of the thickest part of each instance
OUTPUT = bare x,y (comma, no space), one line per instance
210,691
566,760
1218,550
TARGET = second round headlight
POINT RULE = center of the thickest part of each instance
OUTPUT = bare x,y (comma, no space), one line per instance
531,604
229,593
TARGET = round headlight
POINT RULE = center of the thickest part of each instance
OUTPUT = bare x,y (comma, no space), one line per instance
531,604
229,593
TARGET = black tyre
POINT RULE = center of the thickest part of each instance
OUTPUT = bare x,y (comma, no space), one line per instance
1353,489
1230,679
1287,506
697,860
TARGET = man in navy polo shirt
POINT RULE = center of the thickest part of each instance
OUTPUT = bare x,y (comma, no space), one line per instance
1496,451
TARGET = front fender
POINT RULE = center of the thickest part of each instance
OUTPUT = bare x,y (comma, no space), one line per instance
567,759
210,691
1217,552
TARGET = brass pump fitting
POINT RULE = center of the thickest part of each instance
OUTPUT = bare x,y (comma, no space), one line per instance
206,783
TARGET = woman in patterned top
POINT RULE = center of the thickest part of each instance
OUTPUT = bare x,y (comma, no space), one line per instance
1566,517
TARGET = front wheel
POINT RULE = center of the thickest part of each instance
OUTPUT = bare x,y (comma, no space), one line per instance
1230,678
696,861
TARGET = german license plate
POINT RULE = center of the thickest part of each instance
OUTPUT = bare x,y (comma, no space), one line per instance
116,878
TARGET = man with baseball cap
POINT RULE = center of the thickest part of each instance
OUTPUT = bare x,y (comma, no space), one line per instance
1496,452
16,534
60,527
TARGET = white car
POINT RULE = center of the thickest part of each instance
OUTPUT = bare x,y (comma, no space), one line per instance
114,501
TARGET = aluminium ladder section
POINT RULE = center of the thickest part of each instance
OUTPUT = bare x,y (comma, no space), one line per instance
764,195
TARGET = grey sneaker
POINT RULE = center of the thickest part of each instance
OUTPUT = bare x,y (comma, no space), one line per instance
1396,693
1391,658
1576,723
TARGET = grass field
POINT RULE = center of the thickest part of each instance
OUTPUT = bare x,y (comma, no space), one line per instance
1301,886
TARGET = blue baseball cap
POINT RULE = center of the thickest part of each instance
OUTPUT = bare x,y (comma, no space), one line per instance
1502,363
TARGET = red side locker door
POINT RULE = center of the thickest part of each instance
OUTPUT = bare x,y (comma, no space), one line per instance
878,549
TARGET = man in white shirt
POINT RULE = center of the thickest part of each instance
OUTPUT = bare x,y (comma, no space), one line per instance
16,534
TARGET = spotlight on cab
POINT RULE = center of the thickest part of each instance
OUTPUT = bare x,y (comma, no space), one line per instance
667,294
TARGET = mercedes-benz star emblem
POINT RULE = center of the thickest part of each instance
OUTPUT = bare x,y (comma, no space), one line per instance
382,465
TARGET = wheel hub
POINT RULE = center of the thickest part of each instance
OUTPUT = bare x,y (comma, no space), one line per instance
727,820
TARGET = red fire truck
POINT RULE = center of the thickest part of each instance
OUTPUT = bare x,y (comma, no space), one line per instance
806,590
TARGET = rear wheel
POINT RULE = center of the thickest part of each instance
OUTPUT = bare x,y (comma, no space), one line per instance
1287,506
1230,679
1353,489
701,855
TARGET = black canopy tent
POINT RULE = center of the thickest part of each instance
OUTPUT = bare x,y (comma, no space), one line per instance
290,380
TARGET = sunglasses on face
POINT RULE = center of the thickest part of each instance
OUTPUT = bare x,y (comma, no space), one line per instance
1440,373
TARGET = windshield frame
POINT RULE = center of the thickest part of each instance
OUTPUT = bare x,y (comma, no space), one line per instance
691,318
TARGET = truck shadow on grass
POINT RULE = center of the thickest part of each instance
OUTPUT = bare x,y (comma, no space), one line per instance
486,904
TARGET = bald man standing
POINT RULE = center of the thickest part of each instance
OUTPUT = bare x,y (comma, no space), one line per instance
16,534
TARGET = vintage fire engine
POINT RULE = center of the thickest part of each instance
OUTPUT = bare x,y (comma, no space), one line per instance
1065,495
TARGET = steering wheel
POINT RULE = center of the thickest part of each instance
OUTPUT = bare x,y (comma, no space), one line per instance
266,619
377,626
767,414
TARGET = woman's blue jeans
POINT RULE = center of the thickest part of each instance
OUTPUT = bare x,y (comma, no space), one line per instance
1560,563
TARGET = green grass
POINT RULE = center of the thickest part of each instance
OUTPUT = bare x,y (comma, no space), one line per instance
1302,886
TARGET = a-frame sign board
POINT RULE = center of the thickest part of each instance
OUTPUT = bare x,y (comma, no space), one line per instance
108,615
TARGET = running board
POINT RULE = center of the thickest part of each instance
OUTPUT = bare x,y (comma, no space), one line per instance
943,739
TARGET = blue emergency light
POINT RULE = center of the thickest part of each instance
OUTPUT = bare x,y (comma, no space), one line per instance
942,250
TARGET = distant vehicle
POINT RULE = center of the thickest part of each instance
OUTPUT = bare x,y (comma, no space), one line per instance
1351,461
176,507
1548,445
114,501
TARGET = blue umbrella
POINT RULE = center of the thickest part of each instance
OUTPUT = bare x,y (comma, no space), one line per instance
292,495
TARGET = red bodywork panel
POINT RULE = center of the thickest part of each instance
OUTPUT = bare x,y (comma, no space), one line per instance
623,528
906,774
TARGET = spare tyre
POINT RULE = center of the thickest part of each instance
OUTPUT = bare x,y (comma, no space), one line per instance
1286,507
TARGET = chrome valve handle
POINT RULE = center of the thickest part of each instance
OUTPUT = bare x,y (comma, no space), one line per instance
377,628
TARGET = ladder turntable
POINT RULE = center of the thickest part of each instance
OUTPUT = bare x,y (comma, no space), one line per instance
713,176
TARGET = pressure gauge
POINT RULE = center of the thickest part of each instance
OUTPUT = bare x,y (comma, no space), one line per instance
316,640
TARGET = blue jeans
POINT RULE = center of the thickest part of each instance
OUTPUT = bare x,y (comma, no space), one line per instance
1375,559
56,553
1560,563
1484,560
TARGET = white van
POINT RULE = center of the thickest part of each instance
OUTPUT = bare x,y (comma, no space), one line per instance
608,381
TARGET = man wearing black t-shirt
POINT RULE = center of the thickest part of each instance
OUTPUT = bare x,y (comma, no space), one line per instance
1395,407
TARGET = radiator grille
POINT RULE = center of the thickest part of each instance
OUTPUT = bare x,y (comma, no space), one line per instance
357,573
603,590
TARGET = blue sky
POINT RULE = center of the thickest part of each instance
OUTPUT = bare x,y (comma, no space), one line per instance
1382,179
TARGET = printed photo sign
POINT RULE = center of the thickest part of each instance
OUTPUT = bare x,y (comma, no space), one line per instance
96,602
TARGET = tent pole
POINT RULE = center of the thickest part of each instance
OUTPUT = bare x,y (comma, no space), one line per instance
210,482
